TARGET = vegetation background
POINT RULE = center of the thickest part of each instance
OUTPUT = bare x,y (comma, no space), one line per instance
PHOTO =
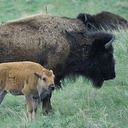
77,104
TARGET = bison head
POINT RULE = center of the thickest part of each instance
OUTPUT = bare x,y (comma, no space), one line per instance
103,20
92,57
100,63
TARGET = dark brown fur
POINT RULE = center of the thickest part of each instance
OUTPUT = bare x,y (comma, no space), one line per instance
61,44
103,21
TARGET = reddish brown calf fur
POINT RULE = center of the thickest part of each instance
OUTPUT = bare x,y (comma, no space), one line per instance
26,78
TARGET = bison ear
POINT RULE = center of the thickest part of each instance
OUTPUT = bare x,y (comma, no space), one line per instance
102,40
86,18
38,75
82,17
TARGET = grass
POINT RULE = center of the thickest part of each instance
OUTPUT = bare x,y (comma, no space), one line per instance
13,9
76,105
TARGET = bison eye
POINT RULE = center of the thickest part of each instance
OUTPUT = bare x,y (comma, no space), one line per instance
44,79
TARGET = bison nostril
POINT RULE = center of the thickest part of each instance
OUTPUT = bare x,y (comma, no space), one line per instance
52,87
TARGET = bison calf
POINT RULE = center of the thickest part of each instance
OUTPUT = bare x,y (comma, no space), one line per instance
29,79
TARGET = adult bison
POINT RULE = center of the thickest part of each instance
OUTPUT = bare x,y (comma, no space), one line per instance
61,44
103,21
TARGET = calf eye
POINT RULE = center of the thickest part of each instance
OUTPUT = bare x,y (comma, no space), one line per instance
44,79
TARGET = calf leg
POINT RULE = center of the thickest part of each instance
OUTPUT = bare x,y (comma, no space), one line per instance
32,107
46,104
29,107
2,95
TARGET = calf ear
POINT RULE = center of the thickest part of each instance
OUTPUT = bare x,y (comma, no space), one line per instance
39,75
101,40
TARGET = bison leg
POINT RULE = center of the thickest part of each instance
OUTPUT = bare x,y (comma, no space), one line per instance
46,104
2,95
32,107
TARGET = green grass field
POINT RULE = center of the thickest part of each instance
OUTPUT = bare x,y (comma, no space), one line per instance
77,104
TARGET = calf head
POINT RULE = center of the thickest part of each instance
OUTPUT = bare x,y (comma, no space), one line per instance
45,83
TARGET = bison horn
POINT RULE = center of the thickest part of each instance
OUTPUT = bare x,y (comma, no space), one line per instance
107,45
